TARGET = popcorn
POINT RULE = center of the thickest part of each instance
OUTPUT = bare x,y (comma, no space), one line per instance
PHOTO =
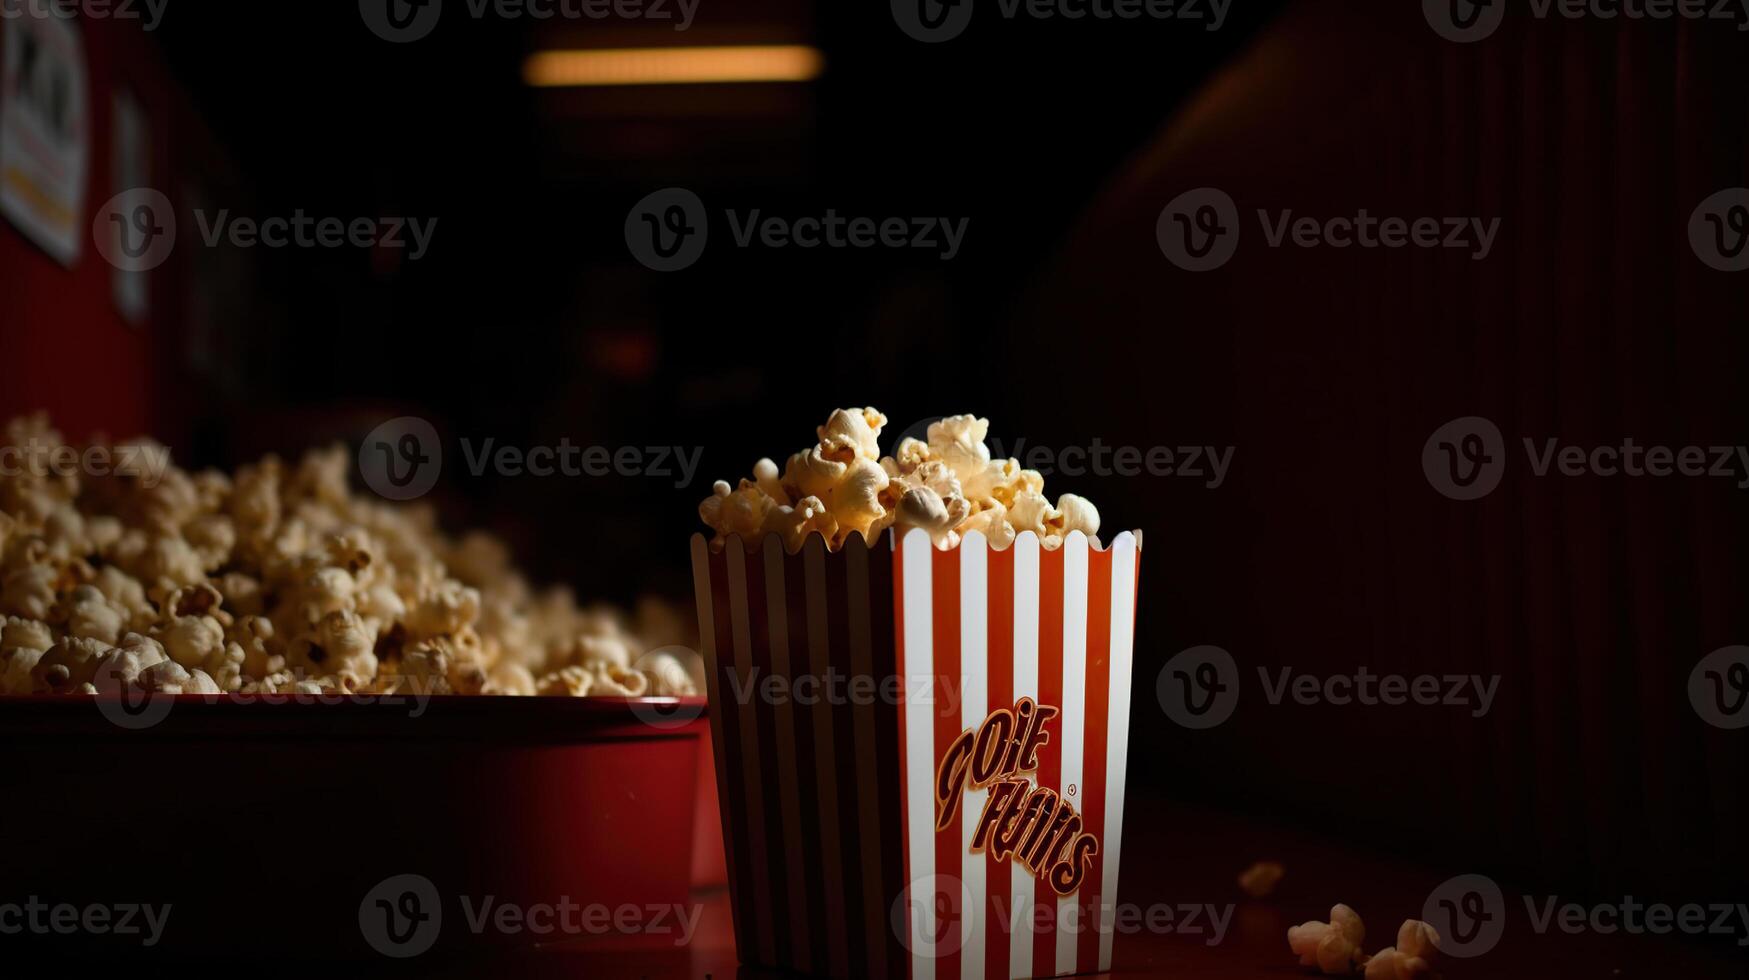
425,669
341,646
91,615
856,501
253,635
925,508
668,676
911,454
280,581
811,473
16,667
1411,957
121,669
168,563
510,679
854,432
604,651
949,485
192,641
212,536
794,524
740,511
571,681
126,593
28,592
765,477
958,441
1334,946
1259,880
1030,511
1077,514
170,677
67,665
25,634
617,681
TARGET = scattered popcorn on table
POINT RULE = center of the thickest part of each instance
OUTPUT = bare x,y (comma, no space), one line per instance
1411,957
1259,880
1333,947
948,485
278,580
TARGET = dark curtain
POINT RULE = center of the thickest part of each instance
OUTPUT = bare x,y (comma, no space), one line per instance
1591,320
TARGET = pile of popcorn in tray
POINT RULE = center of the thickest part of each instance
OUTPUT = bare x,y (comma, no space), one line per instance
947,484
278,580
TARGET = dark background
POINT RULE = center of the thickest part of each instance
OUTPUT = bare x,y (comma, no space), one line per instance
529,320
1326,549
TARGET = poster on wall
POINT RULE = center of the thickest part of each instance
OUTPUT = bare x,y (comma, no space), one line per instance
45,132
130,167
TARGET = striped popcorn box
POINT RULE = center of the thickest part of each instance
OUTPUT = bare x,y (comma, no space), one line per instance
920,753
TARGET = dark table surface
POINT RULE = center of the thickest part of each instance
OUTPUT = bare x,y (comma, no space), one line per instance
1186,855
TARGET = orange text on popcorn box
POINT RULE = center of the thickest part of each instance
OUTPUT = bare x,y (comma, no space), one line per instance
1033,825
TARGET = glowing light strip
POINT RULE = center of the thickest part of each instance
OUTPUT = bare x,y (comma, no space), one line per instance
674,66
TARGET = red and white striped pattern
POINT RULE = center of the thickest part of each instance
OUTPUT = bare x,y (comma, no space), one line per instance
828,808
996,626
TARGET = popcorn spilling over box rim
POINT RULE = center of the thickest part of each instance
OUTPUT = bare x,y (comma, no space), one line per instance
948,485
920,744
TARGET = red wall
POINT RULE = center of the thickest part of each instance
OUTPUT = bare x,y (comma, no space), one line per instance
63,345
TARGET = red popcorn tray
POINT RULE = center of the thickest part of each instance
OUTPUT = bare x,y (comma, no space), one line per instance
357,827
920,753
